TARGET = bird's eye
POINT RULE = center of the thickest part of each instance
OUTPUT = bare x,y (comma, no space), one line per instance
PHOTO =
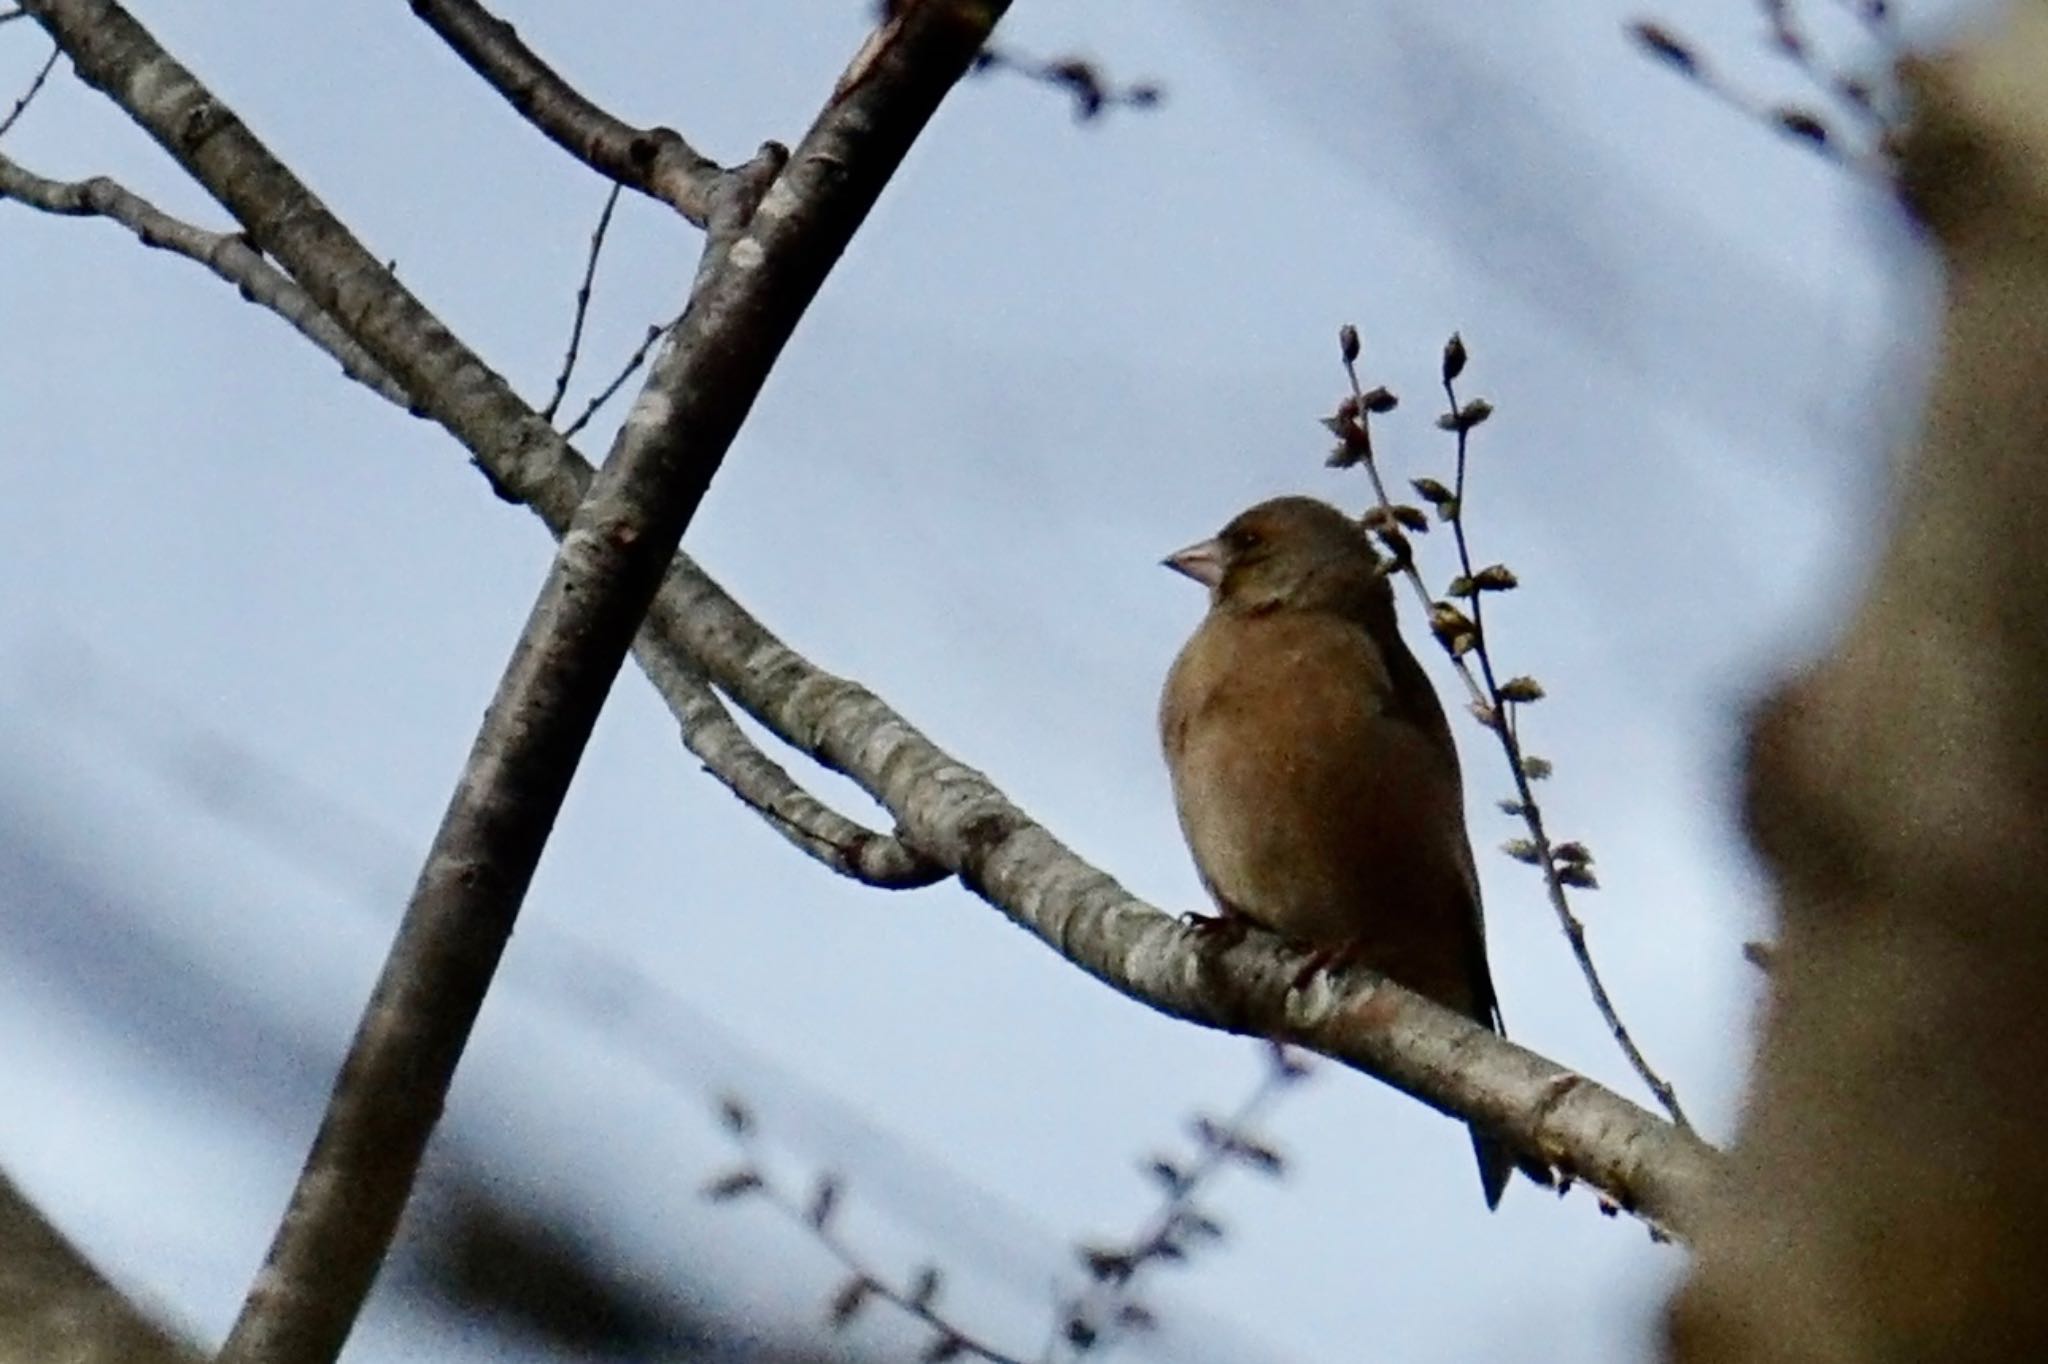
1241,540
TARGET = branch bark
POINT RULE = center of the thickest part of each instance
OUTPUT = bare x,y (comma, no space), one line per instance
226,254
657,162
1888,1200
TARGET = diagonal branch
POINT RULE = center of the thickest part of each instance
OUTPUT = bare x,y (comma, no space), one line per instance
813,827
55,1306
226,254
956,816
655,161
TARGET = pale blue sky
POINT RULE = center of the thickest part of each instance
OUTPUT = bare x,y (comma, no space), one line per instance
1053,354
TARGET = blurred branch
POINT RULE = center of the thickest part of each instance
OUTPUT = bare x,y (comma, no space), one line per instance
1462,635
1887,1199
656,162
817,1213
1801,123
1109,1310
55,1306
1092,92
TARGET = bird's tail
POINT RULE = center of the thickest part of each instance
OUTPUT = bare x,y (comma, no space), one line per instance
1498,1162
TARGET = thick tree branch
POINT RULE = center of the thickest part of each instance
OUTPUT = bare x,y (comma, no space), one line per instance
655,161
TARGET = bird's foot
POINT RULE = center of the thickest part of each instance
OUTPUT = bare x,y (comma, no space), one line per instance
1325,959
1218,932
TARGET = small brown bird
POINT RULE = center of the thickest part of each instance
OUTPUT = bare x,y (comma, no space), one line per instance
1312,767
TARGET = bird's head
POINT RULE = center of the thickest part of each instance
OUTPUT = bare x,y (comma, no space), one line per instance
1289,553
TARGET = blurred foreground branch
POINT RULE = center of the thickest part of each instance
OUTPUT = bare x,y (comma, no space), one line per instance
1887,1201
55,1306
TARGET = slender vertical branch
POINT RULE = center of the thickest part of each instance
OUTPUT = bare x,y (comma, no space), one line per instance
604,222
28,96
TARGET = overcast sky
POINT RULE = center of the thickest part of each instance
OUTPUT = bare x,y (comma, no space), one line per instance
255,614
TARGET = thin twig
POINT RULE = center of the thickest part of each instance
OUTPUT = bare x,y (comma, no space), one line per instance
604,222
1801,125
1532,813
1163,1236
1496,713
815,1216
28,95
618,381
10,15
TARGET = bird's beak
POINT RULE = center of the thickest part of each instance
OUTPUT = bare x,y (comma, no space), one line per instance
1203,562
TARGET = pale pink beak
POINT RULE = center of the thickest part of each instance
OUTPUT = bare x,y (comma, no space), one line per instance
1203,562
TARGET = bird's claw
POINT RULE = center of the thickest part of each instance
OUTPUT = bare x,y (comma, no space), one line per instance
1324,959
1217,931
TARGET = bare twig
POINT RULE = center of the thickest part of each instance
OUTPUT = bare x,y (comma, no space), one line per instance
604,221
655,161
28,96
8,16
1548,861
1494,709
226,254
618,381
1107,1309
1797,122
816,1213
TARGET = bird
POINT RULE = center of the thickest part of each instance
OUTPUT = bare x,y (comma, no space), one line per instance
1313,770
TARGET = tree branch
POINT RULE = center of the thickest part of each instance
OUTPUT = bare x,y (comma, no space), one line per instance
655,161
955,816
226,254
55,1306
810,825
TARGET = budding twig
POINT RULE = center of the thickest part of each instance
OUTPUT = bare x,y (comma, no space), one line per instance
1462,632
